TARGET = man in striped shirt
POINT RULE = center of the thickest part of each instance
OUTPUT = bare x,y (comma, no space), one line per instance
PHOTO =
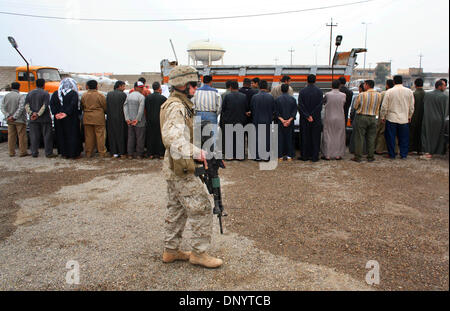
207,103
367,106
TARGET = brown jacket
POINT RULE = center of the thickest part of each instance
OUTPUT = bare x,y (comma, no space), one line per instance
93,104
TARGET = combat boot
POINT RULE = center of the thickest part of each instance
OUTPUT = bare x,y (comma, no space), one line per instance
205,260
172,255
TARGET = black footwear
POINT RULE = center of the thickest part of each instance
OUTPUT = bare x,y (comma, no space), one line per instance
356,160
303,159
370,159
51,155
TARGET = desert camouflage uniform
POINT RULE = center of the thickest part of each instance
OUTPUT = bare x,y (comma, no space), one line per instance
187,195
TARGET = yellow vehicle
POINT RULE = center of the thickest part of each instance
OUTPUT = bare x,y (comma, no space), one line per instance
49,74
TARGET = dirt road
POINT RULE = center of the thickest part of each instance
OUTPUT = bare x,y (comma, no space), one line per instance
302,226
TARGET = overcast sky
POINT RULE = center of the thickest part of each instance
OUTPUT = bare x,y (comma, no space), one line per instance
399,30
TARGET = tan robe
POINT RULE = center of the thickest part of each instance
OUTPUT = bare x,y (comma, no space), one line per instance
333,143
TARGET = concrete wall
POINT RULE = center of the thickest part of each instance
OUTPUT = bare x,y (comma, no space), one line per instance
7,75
150,77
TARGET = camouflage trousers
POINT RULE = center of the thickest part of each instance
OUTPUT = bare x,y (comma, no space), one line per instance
188,198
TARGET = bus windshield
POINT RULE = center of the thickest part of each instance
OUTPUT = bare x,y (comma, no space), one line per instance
49,74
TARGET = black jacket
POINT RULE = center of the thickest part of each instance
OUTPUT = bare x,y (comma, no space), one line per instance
262,107
249,92
35,100
234,107
285,107
310,102
348,99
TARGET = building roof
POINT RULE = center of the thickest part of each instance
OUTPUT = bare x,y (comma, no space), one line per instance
7,75
34,67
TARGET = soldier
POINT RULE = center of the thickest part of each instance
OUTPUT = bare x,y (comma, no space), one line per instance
187,195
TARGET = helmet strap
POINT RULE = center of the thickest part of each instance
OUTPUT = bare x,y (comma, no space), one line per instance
185,91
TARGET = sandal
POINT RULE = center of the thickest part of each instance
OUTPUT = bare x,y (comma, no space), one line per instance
426,157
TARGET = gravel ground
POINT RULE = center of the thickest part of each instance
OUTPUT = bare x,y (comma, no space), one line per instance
302,226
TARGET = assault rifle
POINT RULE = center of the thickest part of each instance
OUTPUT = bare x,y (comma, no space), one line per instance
210,177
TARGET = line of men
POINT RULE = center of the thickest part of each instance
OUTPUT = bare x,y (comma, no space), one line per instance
254,103
407,121
126,123
403,122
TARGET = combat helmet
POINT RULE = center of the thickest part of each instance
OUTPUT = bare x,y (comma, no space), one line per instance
182,75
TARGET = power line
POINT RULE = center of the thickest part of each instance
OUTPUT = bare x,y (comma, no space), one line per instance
185,19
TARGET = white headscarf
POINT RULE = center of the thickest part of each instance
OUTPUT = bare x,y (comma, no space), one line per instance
66,85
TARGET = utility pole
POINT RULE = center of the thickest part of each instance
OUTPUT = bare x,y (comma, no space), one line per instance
390,67
173,49
337,43
291,51
331,36
15,46
420,63
365,45
315,52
